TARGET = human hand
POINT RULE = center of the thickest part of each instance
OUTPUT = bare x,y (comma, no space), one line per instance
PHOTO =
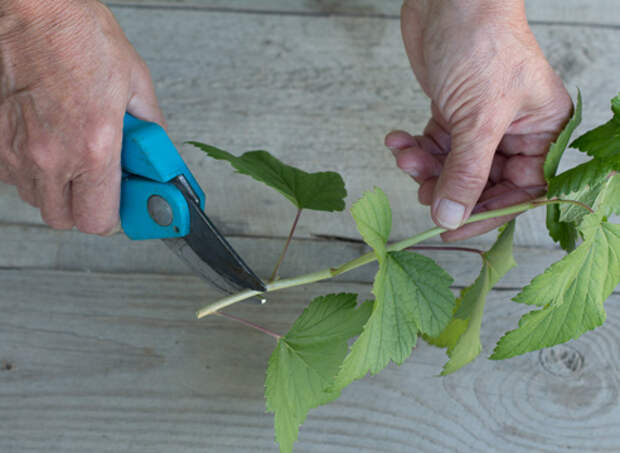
67,77
496,105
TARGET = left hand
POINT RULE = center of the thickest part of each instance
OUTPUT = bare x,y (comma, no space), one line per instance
496,105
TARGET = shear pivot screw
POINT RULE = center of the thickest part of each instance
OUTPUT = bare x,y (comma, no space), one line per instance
160,211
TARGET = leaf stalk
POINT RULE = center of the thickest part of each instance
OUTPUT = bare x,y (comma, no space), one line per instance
274,275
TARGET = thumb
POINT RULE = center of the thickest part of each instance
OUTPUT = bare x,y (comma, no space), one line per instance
466,169
143,101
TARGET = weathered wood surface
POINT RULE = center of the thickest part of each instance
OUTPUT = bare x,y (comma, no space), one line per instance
108,363
319,92
571,11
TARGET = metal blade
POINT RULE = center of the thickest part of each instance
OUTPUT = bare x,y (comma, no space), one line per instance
208,253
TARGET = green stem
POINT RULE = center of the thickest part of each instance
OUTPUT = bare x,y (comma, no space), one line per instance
274,275
370,257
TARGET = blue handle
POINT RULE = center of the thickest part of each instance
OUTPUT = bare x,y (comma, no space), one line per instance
150,162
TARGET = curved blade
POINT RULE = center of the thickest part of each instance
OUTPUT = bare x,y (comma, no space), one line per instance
209,254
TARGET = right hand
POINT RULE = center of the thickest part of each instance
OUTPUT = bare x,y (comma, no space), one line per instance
68,74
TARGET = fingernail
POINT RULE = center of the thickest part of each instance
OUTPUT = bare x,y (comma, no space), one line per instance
411,171
450,213
117,229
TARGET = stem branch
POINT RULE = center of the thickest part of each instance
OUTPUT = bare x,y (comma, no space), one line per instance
370,257
249,324
274,275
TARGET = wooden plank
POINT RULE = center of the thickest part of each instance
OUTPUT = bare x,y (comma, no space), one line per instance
102,363
37,247
594,12
319,92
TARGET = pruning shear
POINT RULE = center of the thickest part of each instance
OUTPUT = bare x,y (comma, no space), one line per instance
160,199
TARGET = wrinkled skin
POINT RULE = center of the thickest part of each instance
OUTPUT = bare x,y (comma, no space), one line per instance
67,76
496,105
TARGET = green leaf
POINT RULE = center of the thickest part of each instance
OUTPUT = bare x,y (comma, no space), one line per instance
571,213
608,200
604,196
588,174
603,142
556,150
323,191
496,263
307,358
564,233
373,216
571,292
412,294
561,232
453,331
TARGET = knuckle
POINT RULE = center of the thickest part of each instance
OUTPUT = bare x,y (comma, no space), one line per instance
43,157
102,145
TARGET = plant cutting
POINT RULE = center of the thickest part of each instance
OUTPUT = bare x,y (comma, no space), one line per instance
315,359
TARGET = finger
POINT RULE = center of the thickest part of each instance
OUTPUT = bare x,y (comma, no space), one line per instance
27,192
418,163
466,168
425,192
524,171
397,140
527,144
497,168
55,199
143,102
96,190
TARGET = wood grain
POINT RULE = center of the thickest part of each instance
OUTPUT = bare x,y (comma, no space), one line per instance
319,92
107,363
596,12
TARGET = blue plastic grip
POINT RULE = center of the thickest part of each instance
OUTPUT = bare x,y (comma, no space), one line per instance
150,161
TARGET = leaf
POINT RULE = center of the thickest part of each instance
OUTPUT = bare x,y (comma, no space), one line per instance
564,233
571,292
496,263
453,331
561,232
588,174
588,195
373,216
412,294
603,142
556,150
608,200
323,191
307,358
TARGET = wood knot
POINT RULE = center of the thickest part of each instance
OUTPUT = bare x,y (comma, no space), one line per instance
562,360
6,366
